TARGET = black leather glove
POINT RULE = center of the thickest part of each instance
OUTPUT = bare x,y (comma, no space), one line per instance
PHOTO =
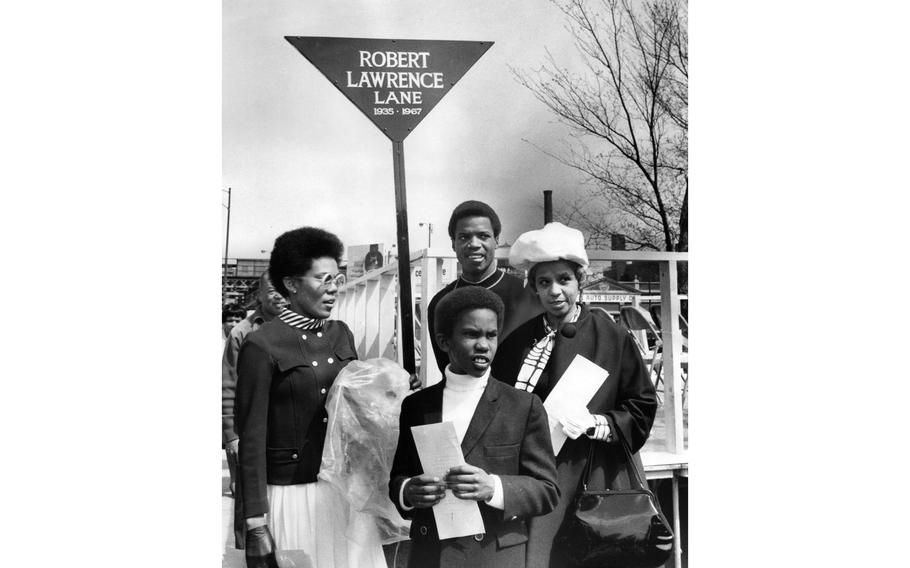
260,548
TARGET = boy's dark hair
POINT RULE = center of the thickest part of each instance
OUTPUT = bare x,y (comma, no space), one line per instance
295,250
474,209
460,300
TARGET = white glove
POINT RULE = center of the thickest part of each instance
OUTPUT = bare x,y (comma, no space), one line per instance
576,424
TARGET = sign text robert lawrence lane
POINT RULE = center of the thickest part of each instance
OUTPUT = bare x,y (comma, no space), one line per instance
394,82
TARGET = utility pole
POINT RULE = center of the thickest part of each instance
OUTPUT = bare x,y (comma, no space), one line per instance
429,233
227,236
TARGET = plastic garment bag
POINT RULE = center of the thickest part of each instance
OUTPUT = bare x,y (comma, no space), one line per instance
364,404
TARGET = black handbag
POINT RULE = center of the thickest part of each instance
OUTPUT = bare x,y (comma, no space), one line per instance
615,528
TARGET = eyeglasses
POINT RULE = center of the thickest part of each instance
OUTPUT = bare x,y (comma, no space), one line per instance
326,280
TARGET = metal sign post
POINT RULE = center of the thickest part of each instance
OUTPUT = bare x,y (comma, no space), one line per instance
404,261
395,83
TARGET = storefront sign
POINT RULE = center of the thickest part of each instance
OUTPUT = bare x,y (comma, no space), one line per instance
593,297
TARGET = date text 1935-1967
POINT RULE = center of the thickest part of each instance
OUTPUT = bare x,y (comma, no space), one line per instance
398,88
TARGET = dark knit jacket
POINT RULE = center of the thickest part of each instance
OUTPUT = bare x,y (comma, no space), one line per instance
283,378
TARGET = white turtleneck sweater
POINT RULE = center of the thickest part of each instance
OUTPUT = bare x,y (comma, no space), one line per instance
460,397
459,401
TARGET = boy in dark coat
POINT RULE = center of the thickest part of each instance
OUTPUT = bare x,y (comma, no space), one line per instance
504,435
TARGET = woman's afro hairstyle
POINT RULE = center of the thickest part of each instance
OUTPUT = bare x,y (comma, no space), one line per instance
294,252
460,300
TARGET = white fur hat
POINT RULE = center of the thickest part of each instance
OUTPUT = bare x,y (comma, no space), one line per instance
554,242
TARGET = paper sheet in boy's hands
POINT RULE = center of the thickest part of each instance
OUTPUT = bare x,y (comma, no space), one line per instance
439,450
571,395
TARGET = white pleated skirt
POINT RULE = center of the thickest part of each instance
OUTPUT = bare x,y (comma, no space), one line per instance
315,519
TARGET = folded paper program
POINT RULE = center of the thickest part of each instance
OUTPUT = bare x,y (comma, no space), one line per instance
567,403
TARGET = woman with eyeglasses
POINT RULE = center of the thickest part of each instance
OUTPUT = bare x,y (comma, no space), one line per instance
284,372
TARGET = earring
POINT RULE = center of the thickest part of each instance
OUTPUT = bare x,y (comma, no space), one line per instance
292,291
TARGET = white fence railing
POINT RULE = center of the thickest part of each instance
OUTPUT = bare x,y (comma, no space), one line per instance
368,305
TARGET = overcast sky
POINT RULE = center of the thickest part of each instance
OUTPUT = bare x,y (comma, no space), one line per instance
297,152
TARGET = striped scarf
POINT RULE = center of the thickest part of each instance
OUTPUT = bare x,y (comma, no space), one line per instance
298,321
536,360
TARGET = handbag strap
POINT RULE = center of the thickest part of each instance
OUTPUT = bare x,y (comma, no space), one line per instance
630,465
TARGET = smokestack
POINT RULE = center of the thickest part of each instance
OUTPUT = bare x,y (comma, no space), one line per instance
617,241
547,206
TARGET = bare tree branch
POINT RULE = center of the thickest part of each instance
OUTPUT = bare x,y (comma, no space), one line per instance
628,115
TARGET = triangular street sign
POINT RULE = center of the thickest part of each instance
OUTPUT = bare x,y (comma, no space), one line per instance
394,82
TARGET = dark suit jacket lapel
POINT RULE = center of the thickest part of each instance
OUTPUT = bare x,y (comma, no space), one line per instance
432,410
486,410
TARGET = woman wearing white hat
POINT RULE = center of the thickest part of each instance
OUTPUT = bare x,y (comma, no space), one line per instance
536,355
